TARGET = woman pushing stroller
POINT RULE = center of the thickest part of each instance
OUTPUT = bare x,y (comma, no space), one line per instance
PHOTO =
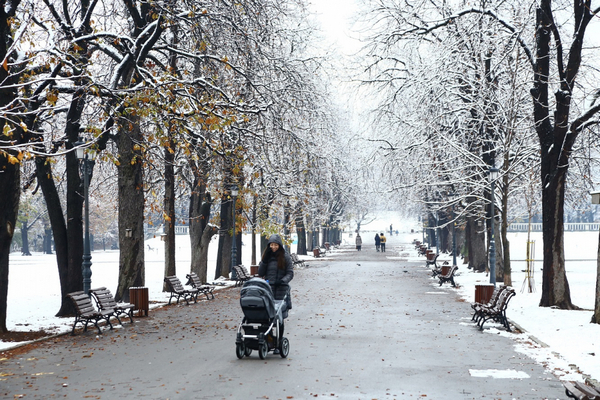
265,305
277,268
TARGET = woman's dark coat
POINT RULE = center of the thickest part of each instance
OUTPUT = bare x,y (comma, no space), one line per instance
267,268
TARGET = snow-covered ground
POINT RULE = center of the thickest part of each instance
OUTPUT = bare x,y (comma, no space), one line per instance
564,341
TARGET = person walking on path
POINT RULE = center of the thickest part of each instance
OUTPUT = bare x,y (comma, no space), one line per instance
377,242
358,242
382,241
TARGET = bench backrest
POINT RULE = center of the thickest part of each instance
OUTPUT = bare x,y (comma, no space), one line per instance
194,280
504,298
238,272
451,272
175,284
83,303
104,298
496,295
243,272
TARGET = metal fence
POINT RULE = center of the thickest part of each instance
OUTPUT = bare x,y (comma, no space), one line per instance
570,227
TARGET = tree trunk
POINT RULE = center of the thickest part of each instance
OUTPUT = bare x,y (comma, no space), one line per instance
10,172
596,315
10,179
555,287
47,239
202,267
301,233
61,237
169,211
476,245
286,227
225,240
499,252
25,239
253,224
131,208
199,213
504,232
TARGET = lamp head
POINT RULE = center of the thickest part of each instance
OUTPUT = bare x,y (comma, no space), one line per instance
79,150
493,174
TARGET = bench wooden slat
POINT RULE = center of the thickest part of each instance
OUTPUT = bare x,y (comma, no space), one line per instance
581,391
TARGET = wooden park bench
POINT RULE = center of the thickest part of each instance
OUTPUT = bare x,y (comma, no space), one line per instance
297,261
476,306
581,391
177,290
86,313
448,276
432,262
497,312
241,275
105,301
438,270
318,252
205,289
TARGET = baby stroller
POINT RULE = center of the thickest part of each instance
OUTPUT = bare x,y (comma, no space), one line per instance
262,326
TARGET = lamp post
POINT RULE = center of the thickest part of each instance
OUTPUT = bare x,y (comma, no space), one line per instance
493,175
234,193
437,233
86,264
453,237
452,196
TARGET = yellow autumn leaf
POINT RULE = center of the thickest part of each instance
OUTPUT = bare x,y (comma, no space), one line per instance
23,126
6,130
12,159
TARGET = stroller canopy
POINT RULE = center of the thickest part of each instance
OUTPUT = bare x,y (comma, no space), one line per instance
257,301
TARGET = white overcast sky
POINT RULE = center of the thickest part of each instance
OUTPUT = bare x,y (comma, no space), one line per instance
335,18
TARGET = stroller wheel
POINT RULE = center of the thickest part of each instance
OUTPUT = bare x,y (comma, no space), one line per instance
284,347
248,351
263,349
240,350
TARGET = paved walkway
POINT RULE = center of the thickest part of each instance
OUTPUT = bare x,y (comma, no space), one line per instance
365,325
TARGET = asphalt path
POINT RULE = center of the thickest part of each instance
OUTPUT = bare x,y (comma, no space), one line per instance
365,325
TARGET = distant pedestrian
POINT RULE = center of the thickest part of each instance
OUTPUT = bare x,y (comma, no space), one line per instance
382,241
358,242
391,230
377,241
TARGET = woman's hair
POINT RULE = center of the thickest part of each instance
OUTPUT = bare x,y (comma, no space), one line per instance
280,254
